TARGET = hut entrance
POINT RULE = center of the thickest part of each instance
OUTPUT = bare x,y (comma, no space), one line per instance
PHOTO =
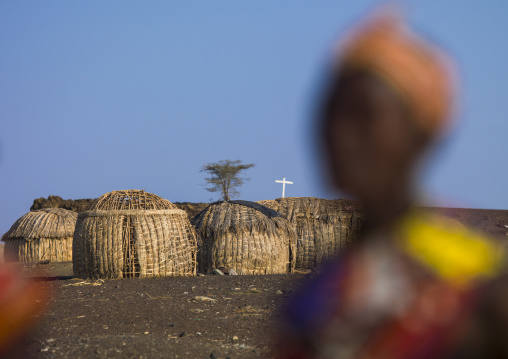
130,255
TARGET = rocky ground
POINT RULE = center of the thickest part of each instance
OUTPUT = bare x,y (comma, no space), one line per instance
493,222
194,317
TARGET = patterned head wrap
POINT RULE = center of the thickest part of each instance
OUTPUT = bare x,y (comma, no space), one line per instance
417,71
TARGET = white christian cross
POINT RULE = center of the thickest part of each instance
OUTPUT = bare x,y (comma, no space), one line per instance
283,185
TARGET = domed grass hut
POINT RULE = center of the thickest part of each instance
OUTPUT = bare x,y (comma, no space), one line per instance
41,235
323,226
244,236
133,233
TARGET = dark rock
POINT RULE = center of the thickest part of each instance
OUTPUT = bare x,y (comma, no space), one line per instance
76,205
182,334
79,205
191,209
213,356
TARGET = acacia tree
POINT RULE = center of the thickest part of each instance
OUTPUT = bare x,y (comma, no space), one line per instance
225,177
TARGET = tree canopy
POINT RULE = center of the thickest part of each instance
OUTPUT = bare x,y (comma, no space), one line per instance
225,177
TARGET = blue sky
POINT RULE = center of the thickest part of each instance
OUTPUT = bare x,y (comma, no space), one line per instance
99,96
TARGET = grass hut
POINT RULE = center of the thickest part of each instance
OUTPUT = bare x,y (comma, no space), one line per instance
41,235
244,236
133,233
323,227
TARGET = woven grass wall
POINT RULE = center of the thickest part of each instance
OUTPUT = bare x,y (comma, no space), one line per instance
323,227
45,234
249,240
125,234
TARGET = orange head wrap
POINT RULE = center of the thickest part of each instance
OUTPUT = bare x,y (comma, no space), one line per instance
416,70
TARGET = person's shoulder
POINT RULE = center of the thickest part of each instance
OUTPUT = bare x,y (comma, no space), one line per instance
449,248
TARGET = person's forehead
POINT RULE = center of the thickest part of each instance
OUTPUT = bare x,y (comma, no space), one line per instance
364,87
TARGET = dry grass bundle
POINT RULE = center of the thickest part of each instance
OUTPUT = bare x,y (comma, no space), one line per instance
246,237
323,227
133,233
41,235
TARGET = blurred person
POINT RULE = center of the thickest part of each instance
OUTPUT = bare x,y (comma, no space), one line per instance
414,285
22,303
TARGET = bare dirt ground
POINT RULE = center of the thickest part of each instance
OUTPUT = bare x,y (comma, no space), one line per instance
192,317
493,222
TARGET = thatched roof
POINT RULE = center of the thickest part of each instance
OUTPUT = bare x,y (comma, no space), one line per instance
324,227
245,236
324,210
235,216
44,223
129,200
